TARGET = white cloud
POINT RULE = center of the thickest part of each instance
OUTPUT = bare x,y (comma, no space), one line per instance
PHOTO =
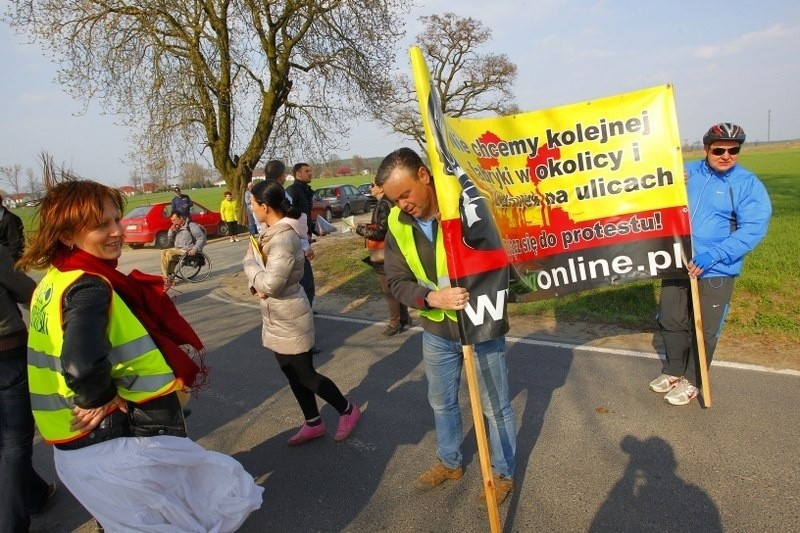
775,33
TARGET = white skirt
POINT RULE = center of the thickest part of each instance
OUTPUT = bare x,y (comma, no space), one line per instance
159,484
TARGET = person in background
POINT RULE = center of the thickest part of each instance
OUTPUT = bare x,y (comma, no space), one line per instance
729,209
288,324
227,211
25,493
182,203
251,221
376,231
12,234
302,196
416,272
187,237
107,355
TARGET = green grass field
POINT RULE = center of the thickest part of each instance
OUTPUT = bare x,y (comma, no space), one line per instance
766,300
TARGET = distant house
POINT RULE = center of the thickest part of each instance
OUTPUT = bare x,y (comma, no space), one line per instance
16,200
127,190
149,187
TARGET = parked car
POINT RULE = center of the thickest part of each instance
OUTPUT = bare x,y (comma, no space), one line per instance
366,190
344,200
148,224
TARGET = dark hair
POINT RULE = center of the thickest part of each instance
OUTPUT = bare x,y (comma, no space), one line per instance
298,166
274,169
176,213
402,157
272,194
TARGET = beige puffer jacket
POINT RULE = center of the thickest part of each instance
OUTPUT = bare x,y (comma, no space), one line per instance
288,322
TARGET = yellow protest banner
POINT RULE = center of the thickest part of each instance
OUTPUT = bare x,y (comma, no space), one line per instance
582,195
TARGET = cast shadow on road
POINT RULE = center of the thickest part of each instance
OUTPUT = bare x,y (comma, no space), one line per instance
533,378
651,497
336,481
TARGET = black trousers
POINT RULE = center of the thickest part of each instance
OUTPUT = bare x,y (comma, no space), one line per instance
676,319
305,382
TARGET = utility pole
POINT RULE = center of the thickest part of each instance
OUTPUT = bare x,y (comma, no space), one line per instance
769,122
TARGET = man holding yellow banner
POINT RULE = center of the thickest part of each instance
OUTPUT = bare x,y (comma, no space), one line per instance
730,212
417,274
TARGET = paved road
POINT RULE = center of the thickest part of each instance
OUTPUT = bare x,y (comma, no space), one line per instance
596,450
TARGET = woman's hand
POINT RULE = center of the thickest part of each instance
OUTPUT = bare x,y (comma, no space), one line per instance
85,420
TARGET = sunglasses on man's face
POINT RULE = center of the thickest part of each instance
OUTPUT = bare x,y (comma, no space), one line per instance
734,150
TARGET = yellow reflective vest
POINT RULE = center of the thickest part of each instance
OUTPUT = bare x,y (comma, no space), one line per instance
404,236
138,370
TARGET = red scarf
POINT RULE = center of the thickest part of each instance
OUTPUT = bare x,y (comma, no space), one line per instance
144,295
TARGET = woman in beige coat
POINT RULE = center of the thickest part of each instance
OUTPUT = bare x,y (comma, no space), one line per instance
288,323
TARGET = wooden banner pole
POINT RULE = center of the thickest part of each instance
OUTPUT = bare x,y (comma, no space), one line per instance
701,345
480,436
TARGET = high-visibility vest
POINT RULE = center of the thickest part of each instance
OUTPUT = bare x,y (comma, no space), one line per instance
138,369
404,236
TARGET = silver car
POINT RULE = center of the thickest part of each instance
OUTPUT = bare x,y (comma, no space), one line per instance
344,200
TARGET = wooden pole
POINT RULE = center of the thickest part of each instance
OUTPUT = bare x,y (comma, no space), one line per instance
480,435
701,345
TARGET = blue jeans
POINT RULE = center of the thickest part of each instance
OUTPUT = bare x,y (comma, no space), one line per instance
23,489
443,363
252,226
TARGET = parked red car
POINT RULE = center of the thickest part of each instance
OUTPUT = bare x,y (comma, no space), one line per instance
321,207
149,224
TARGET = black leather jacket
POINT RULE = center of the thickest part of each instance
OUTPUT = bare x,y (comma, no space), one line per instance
87,370
302,196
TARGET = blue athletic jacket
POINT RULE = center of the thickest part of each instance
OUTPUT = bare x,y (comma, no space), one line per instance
729,213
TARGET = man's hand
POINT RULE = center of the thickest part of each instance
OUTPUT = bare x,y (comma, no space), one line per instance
453,298
191,252
701,263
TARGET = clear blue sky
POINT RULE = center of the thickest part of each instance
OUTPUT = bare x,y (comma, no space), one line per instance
733,61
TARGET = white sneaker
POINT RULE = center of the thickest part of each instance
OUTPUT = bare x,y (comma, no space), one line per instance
683,393
664,383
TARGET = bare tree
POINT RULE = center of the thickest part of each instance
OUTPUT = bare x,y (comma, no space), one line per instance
157,171
470,83
227,77
34,183
194,175
135,180
13,176
358,164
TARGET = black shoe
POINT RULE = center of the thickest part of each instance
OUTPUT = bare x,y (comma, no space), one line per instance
51,490
186,413
315,350
405,324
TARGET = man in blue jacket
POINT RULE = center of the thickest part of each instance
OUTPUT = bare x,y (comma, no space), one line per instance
182,203
729,211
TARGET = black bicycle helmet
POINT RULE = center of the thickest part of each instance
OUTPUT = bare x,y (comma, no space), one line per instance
724,131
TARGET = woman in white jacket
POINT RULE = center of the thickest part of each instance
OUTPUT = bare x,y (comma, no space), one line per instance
288,323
